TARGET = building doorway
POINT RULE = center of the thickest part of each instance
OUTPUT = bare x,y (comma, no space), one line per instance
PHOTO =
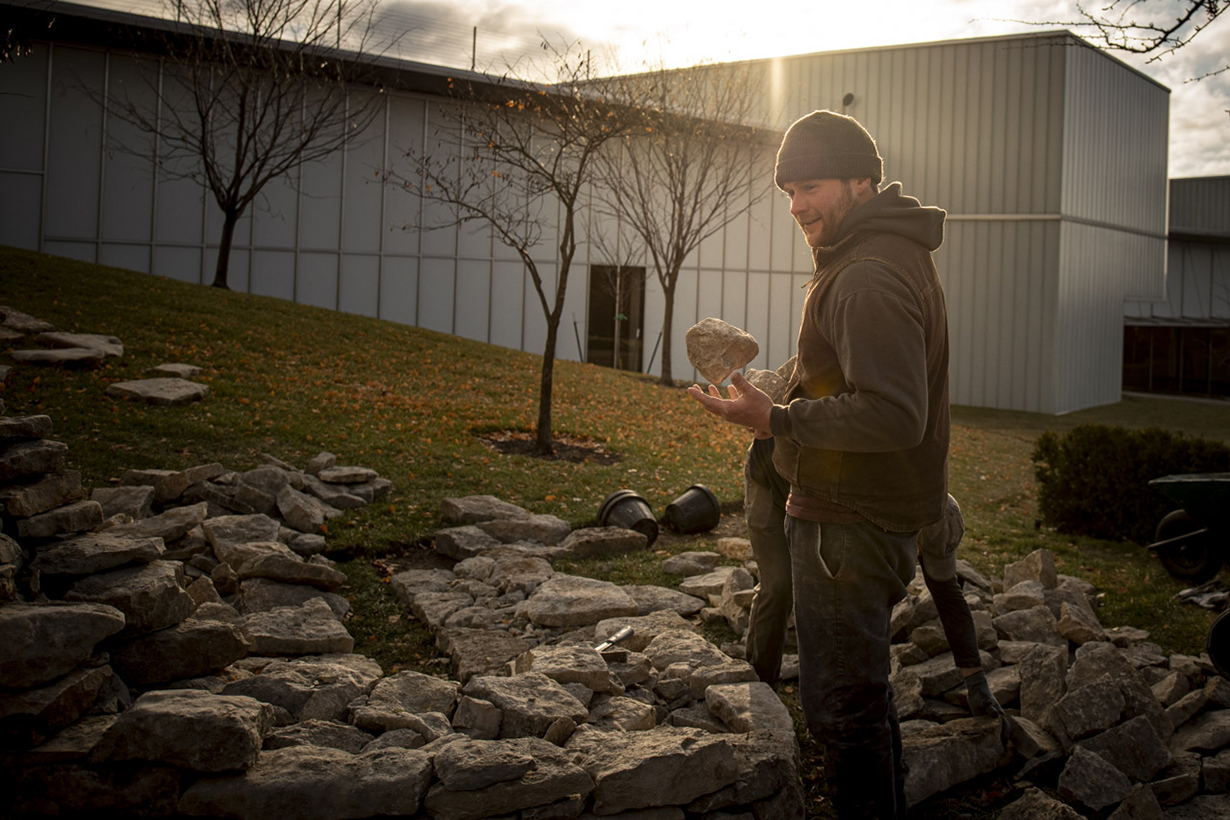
616,316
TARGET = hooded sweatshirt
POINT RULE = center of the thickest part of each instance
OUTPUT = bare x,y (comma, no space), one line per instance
866,423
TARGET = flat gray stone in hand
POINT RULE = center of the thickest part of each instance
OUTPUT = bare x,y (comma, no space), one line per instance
109,345
190,729
164,391
717,349
44,641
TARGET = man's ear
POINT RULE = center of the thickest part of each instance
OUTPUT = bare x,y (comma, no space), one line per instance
861,189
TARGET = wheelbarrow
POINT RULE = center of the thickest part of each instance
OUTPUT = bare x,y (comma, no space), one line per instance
1191,541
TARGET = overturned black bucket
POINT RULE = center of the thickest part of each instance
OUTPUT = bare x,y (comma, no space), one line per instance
624,508
696,510
1218,644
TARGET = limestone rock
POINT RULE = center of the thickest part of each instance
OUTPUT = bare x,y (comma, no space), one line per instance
331,734
30,716
14,319
309,629
1036,804
64,356
475,508
748,707
1090,781
41,493
530,703
229,531
109,345
91,553
45,641
717,349
316,687
476,652
79,516
176,369
151,596
567,600
650,599
951,753
28,458
187,650
347,475
135,501
554,778
316,783
168,392
464,542
170,525
545,529
568,664
594,541
402,695
1039,566
263,595
290,570
190,729
664,766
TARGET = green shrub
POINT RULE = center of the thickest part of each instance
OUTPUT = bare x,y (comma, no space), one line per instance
1094,480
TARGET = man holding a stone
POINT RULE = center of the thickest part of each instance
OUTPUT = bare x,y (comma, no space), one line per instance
862,439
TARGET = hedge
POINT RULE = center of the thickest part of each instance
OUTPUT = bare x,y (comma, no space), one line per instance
1094,480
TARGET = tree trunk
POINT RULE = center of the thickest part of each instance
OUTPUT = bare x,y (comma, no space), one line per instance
224,250
668,320
543,443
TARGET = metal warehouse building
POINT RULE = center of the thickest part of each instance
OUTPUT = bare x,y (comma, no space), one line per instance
1048,155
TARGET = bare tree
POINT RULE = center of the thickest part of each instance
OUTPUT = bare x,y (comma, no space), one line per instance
249,90
1155,27
687,166
519,157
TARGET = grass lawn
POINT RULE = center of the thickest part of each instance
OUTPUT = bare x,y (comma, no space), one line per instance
292,380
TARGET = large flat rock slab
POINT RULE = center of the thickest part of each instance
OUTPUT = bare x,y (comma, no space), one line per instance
314,783
109,345
44,641
164,391
61,357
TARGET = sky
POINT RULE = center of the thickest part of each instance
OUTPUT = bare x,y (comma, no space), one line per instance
685,32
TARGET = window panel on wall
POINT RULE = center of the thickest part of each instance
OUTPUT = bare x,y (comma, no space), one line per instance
508,304
436,288
129,257
81,251
320,203
401,217
183,264
363,186
19,209
74,145
128,192
360,285
687,313
317,280
757,317
473,300
273,274
399,282
783,323
274,214
23,88
709,294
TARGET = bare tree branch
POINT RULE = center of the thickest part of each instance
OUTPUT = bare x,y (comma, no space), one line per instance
245,91
1154,27
687,167
518,157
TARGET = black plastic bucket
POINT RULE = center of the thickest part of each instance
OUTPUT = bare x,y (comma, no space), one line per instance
696,510
1217,644
624,508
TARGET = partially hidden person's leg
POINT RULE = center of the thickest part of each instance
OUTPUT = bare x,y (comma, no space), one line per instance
765,510
847,577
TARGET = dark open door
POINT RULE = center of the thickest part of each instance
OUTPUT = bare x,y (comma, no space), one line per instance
616,316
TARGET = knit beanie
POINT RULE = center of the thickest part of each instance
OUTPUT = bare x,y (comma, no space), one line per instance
827,145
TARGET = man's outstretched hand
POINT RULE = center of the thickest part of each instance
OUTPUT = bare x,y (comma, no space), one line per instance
747,406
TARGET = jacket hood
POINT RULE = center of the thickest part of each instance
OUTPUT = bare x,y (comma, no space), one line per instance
890,211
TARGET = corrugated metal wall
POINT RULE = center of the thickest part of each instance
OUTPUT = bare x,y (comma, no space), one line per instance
1200,205
983,129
